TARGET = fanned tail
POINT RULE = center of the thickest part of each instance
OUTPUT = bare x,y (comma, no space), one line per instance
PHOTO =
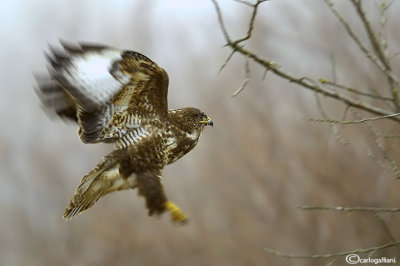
103,179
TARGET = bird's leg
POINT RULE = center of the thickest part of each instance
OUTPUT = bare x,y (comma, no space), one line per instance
177,214
150,187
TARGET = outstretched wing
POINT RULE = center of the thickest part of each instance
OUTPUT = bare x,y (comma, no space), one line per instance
109,92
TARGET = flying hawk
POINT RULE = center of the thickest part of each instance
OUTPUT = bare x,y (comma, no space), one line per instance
120,97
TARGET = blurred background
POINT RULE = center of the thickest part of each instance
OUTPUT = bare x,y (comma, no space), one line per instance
242,183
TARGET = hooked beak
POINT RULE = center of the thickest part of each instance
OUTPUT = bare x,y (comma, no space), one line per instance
208,122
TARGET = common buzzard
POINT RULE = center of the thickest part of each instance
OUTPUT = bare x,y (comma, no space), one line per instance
120,97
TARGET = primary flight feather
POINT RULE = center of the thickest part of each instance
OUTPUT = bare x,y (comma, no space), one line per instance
120,97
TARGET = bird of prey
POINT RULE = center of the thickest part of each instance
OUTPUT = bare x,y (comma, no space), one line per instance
120,97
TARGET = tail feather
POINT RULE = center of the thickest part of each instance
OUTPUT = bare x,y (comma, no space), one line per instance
103,179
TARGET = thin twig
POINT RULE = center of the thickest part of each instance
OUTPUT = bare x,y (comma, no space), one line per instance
371,34
331,262
244,3
303,82
272,66
380,51
332,255
352,34
386,155
264,74
382,65
382,32
251,23
333,64
226,61
394,55
333,121
348,209
334,127
246,80
345,112
355,91
387,229
389,136
221,21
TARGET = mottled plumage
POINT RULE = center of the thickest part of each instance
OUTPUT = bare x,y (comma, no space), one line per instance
120,97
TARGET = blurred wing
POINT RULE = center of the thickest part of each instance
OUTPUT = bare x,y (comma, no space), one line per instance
106,90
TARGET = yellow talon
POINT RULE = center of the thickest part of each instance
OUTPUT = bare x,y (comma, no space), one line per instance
176,213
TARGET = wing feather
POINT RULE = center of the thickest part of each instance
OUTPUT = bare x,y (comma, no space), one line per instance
148,88
103,179
109,92
87,75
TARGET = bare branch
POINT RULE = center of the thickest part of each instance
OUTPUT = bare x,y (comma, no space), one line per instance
348,209
378,55
382,32
352,121
357,40
332,255
270,65
244,3
371,34
394,55
380,51
382,64
264,74
352,90
226,61
251,23
246,80
346,110
387,229
221,21
389,136
395,168
334,127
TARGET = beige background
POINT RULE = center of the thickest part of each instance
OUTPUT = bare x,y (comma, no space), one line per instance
241,184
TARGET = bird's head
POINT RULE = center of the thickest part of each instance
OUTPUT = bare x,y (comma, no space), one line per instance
190,119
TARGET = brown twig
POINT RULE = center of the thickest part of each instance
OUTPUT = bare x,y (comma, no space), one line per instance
246,80
355,91
331,255
302,82
371,34
251,23
380,51
352,34
387,229
333,126
272,66
348,209
226,61
349,122
386,155
389,136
